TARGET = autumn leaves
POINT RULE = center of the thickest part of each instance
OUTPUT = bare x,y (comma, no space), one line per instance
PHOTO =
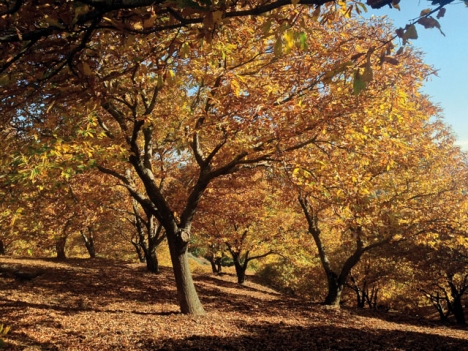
215,140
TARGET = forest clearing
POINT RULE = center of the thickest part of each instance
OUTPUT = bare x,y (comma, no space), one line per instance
83,304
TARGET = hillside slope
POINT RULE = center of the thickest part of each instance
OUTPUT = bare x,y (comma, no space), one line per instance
107,305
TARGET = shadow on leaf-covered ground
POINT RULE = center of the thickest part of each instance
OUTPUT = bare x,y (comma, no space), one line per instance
108,305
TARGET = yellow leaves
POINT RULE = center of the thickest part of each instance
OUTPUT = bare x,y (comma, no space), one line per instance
184,50
235,86
171,78
289,40
344,9
137,25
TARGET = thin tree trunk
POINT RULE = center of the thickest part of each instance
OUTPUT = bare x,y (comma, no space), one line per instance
335,281
89,242
140,252
218,264
2,248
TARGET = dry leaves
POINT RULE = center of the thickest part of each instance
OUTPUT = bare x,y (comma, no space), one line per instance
107,305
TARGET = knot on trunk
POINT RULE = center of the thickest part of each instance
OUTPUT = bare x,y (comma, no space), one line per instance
183,235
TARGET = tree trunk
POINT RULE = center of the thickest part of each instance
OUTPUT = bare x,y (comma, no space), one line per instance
335,288
140,252
89,242
457,309
215,263
2,248
151,259
214,268
212,259
60,248
456,305
186,292
240,271
218,265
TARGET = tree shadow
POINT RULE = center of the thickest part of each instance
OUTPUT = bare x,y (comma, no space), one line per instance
280,336
403,318
232,285
105,284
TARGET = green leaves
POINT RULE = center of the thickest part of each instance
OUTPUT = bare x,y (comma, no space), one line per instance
359,83
278,49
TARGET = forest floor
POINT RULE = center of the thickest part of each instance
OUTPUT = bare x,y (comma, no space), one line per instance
108,305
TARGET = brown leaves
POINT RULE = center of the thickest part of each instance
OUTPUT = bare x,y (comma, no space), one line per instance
107,305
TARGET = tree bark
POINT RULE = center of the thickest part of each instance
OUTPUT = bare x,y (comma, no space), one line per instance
215,263
457,309
89,242
186,292
335,288
240,271
456,304
2,248
335,281
60,248
140,252
151,259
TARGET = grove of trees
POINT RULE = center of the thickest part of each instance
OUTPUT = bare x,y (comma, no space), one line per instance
292,134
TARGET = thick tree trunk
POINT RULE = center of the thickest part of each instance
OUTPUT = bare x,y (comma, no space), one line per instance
186,292
60,248
151,259
240,271
335,288
456,305
457,309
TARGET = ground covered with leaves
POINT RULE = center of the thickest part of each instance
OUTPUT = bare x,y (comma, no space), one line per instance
107,305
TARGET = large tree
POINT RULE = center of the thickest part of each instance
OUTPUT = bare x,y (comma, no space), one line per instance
381,184
183,113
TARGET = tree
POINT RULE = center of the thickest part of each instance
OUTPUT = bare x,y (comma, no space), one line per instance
442,275
248,222
182,114
386,183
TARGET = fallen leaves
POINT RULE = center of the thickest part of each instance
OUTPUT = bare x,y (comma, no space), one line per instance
107,305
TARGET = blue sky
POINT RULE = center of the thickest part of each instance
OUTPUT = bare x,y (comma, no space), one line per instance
448,54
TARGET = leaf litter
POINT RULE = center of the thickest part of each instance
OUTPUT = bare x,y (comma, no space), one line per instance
109,305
